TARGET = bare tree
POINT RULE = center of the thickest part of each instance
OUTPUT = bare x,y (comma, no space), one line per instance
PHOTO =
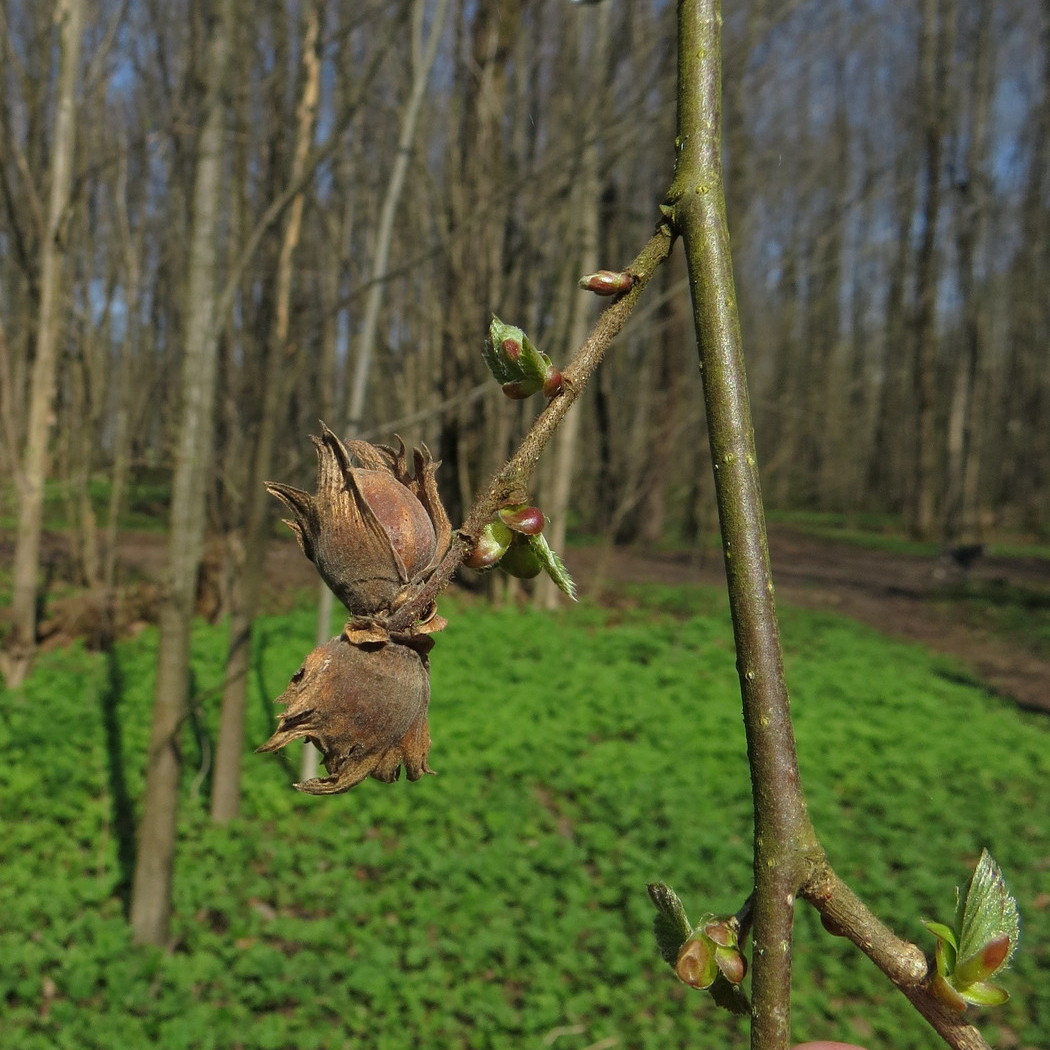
154,863
33,468
935,46
251,546
593,33
960,516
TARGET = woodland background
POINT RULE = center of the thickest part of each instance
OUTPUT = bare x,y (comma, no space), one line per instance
889,178
221,221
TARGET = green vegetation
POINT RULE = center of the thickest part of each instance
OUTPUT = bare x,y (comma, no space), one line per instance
1009,610
883,532
145,506
503,902
886,532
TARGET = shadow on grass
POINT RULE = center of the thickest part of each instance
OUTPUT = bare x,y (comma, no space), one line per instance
122,807
267,694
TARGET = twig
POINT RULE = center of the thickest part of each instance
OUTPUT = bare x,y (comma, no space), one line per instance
845,914
510,483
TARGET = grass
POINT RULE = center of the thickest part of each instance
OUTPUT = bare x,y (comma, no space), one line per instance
886,532
1019,613
145,507
502,903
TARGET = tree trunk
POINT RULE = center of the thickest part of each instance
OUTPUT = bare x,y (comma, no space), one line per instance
33,468
961,517
226,783
593,45
935,47
154,863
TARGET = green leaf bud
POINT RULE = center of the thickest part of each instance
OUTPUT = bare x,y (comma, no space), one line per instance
519,368
985,963
696,965
521,559
732,964
492,544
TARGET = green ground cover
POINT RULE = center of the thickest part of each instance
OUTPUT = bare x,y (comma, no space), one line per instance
145,506
1019,613
502,903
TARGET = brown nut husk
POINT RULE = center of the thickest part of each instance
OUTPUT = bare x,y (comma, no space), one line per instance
373,528
365,707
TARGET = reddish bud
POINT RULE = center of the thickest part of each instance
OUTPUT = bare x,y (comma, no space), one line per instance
512,348
522,518
519,389
696,964
552,385
722,933
607,282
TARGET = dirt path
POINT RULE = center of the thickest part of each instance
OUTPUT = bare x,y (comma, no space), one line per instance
903,596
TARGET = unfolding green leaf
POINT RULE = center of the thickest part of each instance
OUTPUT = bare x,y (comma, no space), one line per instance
984,993
985,963
553,565
988,911
946,946
671,926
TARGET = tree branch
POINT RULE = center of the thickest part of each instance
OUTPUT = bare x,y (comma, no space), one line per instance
510,483
846,915
785,842
788,858
788,855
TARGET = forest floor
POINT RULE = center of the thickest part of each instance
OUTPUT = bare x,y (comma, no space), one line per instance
915,598
921,599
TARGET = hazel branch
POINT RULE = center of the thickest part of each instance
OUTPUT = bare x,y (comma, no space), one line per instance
788,855
511,482
784,837
845,914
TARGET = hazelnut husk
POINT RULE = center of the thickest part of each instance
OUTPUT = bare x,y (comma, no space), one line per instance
365,707
373,528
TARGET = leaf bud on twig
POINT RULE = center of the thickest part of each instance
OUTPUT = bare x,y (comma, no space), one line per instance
607,282
519,368
523,518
